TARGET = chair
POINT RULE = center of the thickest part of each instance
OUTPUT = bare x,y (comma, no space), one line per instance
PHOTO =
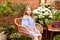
19,27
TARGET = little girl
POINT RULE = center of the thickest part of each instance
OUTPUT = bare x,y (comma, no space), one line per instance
29,23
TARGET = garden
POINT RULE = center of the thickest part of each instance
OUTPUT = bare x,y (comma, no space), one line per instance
44,14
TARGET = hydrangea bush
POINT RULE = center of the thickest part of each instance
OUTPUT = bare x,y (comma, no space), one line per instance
42,15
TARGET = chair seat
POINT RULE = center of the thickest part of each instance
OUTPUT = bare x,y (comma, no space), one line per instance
25,33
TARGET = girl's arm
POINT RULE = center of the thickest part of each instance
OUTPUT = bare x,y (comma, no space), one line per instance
28,28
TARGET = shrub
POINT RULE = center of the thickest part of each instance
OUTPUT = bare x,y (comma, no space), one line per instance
57,37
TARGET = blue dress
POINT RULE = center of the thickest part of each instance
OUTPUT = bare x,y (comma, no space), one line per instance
29,22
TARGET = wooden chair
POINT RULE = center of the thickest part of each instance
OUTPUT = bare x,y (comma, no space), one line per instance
19,27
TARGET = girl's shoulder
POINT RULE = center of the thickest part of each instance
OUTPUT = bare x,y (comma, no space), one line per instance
25,17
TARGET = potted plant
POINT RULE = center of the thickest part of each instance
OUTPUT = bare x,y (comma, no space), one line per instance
10,29
56,18
2,35
41,14
56,15
1,29
9,32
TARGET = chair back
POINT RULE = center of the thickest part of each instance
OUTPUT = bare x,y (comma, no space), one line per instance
17,22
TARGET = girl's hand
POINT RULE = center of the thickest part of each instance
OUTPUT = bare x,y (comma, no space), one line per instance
37,32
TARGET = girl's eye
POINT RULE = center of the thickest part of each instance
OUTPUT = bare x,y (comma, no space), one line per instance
28,11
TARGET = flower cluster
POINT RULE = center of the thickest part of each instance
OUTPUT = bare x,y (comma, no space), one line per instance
43,12
15,36
56,15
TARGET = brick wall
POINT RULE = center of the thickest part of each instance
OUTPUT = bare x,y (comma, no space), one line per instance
56,4
33,3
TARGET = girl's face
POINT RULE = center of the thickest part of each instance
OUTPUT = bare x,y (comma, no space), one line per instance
28,11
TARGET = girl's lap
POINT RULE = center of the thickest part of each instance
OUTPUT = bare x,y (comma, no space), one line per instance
35,33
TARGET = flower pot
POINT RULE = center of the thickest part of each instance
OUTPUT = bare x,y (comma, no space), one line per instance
49,26
3,36
56,24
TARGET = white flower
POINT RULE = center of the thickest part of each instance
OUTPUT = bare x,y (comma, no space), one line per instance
50,16
35,16
39,8
36,11
49,7
42,10
54,11
46,13
41,16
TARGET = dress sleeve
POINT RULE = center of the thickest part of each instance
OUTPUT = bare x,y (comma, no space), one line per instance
25,22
